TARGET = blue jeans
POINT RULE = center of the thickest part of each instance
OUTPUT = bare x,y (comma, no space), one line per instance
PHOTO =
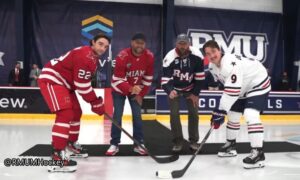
119,102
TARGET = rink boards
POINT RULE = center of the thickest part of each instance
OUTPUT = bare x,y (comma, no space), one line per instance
27,103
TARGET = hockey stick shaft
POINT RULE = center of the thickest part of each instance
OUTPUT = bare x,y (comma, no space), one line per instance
180,173
166,159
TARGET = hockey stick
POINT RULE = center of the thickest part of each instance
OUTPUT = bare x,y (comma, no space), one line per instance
180,173
166,159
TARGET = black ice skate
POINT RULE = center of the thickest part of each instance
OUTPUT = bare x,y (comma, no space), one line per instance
66,164
228,149
256,159
76,150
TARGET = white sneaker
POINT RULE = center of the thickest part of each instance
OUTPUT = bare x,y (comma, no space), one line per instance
140,150
112,150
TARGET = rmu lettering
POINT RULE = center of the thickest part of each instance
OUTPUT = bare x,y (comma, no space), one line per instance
15,103
182,76
250,45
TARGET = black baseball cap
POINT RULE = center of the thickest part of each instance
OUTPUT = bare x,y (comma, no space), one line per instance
139,35
182,38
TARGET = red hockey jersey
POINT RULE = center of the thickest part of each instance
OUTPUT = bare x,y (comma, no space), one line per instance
73,70
131,70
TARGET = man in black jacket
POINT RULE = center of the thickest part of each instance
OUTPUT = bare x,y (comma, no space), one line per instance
183,75
16,76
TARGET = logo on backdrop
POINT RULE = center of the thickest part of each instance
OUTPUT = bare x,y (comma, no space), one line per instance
247,44
1,60
94,25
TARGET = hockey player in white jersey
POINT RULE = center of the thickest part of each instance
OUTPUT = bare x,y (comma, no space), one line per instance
246,88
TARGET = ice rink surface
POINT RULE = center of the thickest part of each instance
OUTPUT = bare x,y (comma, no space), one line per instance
18,137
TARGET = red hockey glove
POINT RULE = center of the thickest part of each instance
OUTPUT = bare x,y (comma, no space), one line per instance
98,106
218,117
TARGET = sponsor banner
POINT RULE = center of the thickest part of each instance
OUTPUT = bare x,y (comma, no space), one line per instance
278,103
29,100
22,100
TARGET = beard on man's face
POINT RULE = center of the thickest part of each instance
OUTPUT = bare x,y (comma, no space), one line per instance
138,50
182,51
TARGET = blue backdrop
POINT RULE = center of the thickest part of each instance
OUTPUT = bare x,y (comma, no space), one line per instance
53,27
252,34
8,48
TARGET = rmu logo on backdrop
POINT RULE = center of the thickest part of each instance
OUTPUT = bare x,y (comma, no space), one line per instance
247,44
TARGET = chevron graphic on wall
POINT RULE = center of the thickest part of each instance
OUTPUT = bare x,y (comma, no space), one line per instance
94,25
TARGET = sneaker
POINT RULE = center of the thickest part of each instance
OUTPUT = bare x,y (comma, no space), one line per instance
66,165
228,149
256,159
140,150
177,147
76,150
112,150
194,146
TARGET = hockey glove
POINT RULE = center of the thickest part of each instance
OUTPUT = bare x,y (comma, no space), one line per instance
98,106
218,117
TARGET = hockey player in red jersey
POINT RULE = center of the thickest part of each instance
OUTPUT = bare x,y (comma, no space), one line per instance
58,81
132,77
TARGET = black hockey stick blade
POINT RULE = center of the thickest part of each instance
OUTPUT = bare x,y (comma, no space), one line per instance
180,173
164,159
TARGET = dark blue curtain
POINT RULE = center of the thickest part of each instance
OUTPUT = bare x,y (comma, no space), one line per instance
57,28
291,15
8,48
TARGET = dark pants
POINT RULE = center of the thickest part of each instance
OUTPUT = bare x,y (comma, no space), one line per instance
193,120
119,102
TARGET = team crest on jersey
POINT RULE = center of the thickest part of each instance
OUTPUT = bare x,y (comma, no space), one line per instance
184,62
122,54
67,99
128,65
247,44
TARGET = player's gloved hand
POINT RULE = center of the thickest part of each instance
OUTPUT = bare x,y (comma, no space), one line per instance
98,106
218,117
194,99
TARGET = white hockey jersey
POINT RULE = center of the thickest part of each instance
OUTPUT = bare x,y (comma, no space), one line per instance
242,78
